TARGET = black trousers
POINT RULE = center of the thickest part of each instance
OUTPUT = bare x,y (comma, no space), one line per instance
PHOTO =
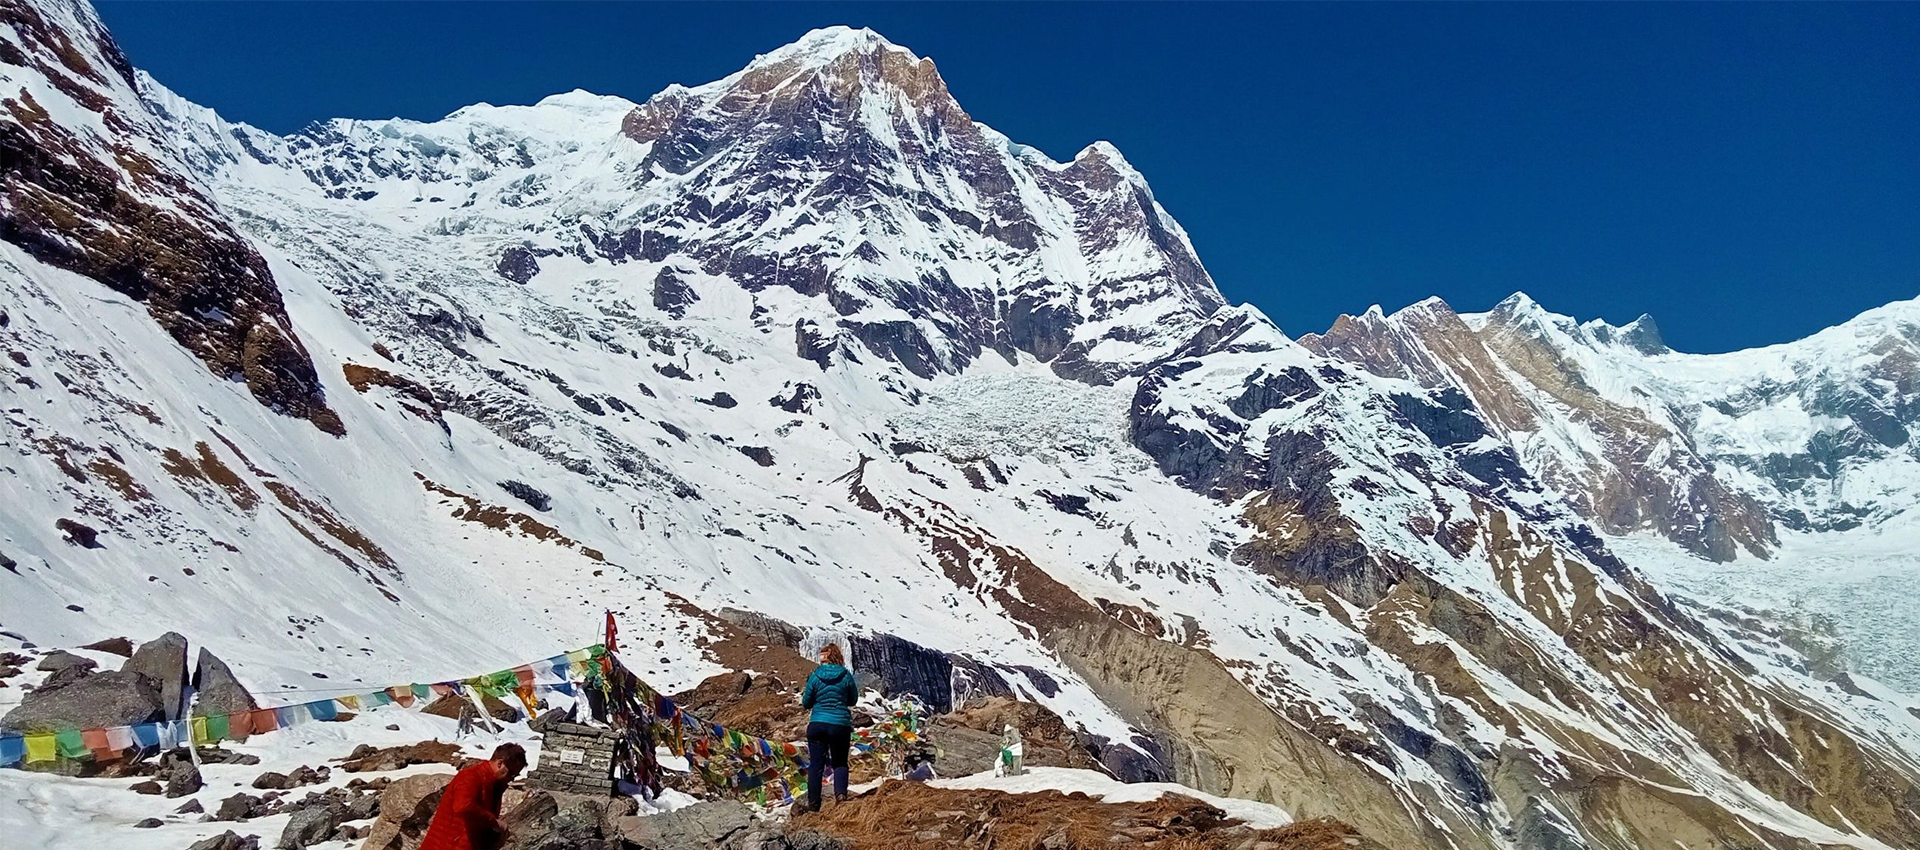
827,741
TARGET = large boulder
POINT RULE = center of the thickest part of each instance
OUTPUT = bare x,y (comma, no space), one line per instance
217,691
697,827
162,662
406,808
98,701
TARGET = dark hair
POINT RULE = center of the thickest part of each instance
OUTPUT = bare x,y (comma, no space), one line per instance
833,654
510,754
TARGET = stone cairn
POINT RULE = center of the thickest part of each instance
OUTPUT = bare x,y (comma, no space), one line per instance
575,759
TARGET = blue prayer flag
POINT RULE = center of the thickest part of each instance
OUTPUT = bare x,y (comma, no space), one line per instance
323,710
13,750
147,734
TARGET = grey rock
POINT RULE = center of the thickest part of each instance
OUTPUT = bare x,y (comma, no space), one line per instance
271,781
102,700
807,839
65,676
116,646
162,662
61,659
239,807
228,841
406,807
182,775
697,827
217,690
312,825
149,787
191,807
363,806
148,823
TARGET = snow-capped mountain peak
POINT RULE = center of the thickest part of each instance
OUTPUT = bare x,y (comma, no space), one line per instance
809,347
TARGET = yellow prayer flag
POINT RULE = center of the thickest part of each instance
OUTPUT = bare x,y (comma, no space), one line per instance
578,655
352,703
199,727
40,748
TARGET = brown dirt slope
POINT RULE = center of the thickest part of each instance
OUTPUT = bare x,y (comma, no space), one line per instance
906,814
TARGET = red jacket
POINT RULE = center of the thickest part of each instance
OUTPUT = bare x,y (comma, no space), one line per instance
469,813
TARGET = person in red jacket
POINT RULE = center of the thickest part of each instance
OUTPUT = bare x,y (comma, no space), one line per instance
469,814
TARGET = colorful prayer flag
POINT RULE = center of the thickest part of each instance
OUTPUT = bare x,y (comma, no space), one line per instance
120,739
147,734
70,744
217,728
265,720
323,710
40,748
13,750
95,740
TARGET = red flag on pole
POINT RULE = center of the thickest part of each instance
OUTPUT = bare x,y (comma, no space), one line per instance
613,633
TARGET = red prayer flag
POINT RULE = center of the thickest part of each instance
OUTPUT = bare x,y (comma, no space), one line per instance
96,740
613,633
264,720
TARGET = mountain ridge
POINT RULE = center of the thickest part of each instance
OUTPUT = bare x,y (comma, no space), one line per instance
745,364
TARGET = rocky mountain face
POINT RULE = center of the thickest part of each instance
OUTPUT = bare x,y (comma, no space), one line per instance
1719,453
810,346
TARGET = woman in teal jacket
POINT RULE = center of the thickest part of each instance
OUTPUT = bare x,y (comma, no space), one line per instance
831,693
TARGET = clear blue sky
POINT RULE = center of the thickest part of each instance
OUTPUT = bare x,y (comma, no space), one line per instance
1748,173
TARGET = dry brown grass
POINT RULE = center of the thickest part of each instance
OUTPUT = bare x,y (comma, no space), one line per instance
905,814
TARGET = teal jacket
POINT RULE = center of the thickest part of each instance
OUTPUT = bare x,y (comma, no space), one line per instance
831,694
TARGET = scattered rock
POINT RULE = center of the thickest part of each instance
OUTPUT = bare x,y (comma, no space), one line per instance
228,841
720,400
240,807
149,788
367,757
191,807
406,807
271,781
180,775
116,646
312,826
149,823
363,806
79,534
534,497
304,775
218,692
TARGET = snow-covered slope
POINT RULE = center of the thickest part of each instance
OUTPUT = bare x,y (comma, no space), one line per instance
810,342
1799,455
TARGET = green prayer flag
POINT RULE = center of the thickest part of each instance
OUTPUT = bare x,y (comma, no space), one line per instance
218,727
70,745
